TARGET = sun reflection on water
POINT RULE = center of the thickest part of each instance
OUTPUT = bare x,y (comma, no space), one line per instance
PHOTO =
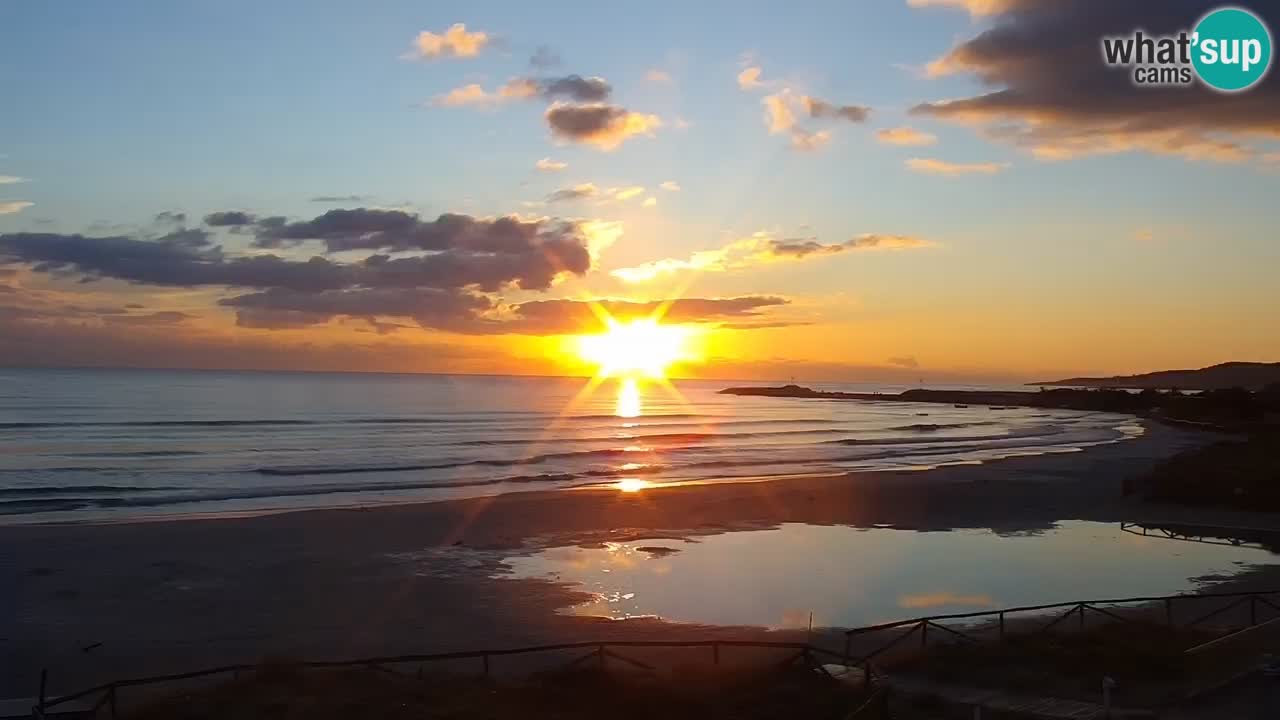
628,399
631,485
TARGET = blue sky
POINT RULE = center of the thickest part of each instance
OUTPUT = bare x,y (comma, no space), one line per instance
117,111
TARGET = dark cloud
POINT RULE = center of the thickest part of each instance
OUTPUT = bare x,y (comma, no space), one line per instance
339,198
575,87
823,109
399,231
544,57
599,124
1051,93
430,308
458,259
171,217
577,192
163,317
906,361
229,218
167,263
486,254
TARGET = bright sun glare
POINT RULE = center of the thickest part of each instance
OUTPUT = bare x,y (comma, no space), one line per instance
638,348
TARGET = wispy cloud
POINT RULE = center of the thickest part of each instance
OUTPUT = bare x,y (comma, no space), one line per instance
581,191
763,248
11,179
905,136
455,42
932,166
749,78
807,141
670,186
339,198
657,76
10,207
548,165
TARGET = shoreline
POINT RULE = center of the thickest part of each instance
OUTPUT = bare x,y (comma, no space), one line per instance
154,596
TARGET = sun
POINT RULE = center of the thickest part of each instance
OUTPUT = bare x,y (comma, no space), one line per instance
636,348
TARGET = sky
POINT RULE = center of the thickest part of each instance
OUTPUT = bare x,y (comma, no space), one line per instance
877,190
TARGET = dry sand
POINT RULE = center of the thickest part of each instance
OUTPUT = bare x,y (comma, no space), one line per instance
98,602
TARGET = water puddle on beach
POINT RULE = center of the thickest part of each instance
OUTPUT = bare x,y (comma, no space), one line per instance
849,577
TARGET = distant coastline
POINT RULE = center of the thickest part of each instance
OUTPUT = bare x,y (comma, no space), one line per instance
1247,375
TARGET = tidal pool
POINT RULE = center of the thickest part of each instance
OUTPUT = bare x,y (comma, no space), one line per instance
837,576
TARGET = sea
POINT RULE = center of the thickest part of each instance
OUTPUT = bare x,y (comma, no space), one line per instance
121,445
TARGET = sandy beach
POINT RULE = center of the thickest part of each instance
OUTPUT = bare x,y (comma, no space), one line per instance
95,602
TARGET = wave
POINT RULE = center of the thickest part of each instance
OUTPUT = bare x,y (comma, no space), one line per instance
69,489
64,504
136,453
656,438
484,462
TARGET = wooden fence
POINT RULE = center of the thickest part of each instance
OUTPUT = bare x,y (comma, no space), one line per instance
988,624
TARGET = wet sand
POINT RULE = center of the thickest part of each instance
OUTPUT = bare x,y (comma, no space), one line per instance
97,602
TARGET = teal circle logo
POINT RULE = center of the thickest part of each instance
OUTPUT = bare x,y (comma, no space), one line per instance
1231,49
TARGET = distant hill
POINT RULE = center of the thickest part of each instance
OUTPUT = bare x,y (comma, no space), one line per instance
1216,377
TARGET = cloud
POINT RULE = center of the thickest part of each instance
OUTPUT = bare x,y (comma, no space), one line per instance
229,218
11,179
455,42
440,309
339,198
805,140
905,136
163,317
670,186
569,87
1050,93
576,88
822,109
581,191
657,76
761,249
749,78
650,202
1144,235
931,166
10,207
586,191
906,361
780,117
604,126
170,217
975,7
544,57
473,94
777,113
462,252
560,316
546,164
